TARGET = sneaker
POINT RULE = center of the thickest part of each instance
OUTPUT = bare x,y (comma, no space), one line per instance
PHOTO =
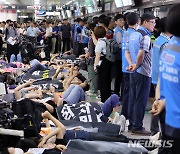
129,129
154,139
122,123
116,118
155,151
91,94
98,97
100,103
143,131
127,123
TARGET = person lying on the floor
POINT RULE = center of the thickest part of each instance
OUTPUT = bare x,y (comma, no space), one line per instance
75,77
69,75
63,136
75,94
22,91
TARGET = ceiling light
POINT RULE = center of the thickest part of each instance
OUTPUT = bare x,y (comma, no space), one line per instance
69,2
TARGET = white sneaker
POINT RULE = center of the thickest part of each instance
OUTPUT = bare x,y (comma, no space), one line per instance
127,123
116,118
100,103
155,151
122,123
155,139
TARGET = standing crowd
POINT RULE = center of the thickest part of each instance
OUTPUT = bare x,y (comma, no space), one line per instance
141,64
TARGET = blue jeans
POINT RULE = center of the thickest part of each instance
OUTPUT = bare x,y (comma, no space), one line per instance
109,104
14,58
37,67
74,94
139,94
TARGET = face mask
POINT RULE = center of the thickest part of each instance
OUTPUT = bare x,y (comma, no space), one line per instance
18,151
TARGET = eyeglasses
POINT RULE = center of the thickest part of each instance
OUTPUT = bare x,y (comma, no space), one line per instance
154,23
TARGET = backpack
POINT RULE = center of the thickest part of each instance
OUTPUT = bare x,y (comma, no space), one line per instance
112,50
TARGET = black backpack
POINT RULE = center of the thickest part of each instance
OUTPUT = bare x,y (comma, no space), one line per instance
112,50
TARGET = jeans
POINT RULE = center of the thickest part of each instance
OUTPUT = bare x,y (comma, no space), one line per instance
74,94
139,94
109,104
37,67
14,58
93,78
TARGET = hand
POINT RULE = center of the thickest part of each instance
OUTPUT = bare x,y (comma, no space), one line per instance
61,147
95,69
56,55
157,107
40,145
131,67
87,55
36,88
52,89
40,96
30,81
46,115
75,73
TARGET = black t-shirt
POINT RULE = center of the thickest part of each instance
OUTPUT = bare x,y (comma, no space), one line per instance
66,29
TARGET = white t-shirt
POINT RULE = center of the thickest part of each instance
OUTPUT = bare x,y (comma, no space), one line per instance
49,32
101,46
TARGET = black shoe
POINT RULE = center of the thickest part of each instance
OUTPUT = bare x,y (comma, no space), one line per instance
143,131
130,129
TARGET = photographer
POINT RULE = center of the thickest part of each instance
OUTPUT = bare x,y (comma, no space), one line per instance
11,38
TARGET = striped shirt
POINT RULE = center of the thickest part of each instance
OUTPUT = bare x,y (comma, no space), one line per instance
138,42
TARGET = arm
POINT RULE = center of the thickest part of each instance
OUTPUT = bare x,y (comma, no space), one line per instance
97,59
17,89
49,107
94,38
158,105
128,57
53,57
59,131
140,58
29,88
57,72
157,91
69,81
